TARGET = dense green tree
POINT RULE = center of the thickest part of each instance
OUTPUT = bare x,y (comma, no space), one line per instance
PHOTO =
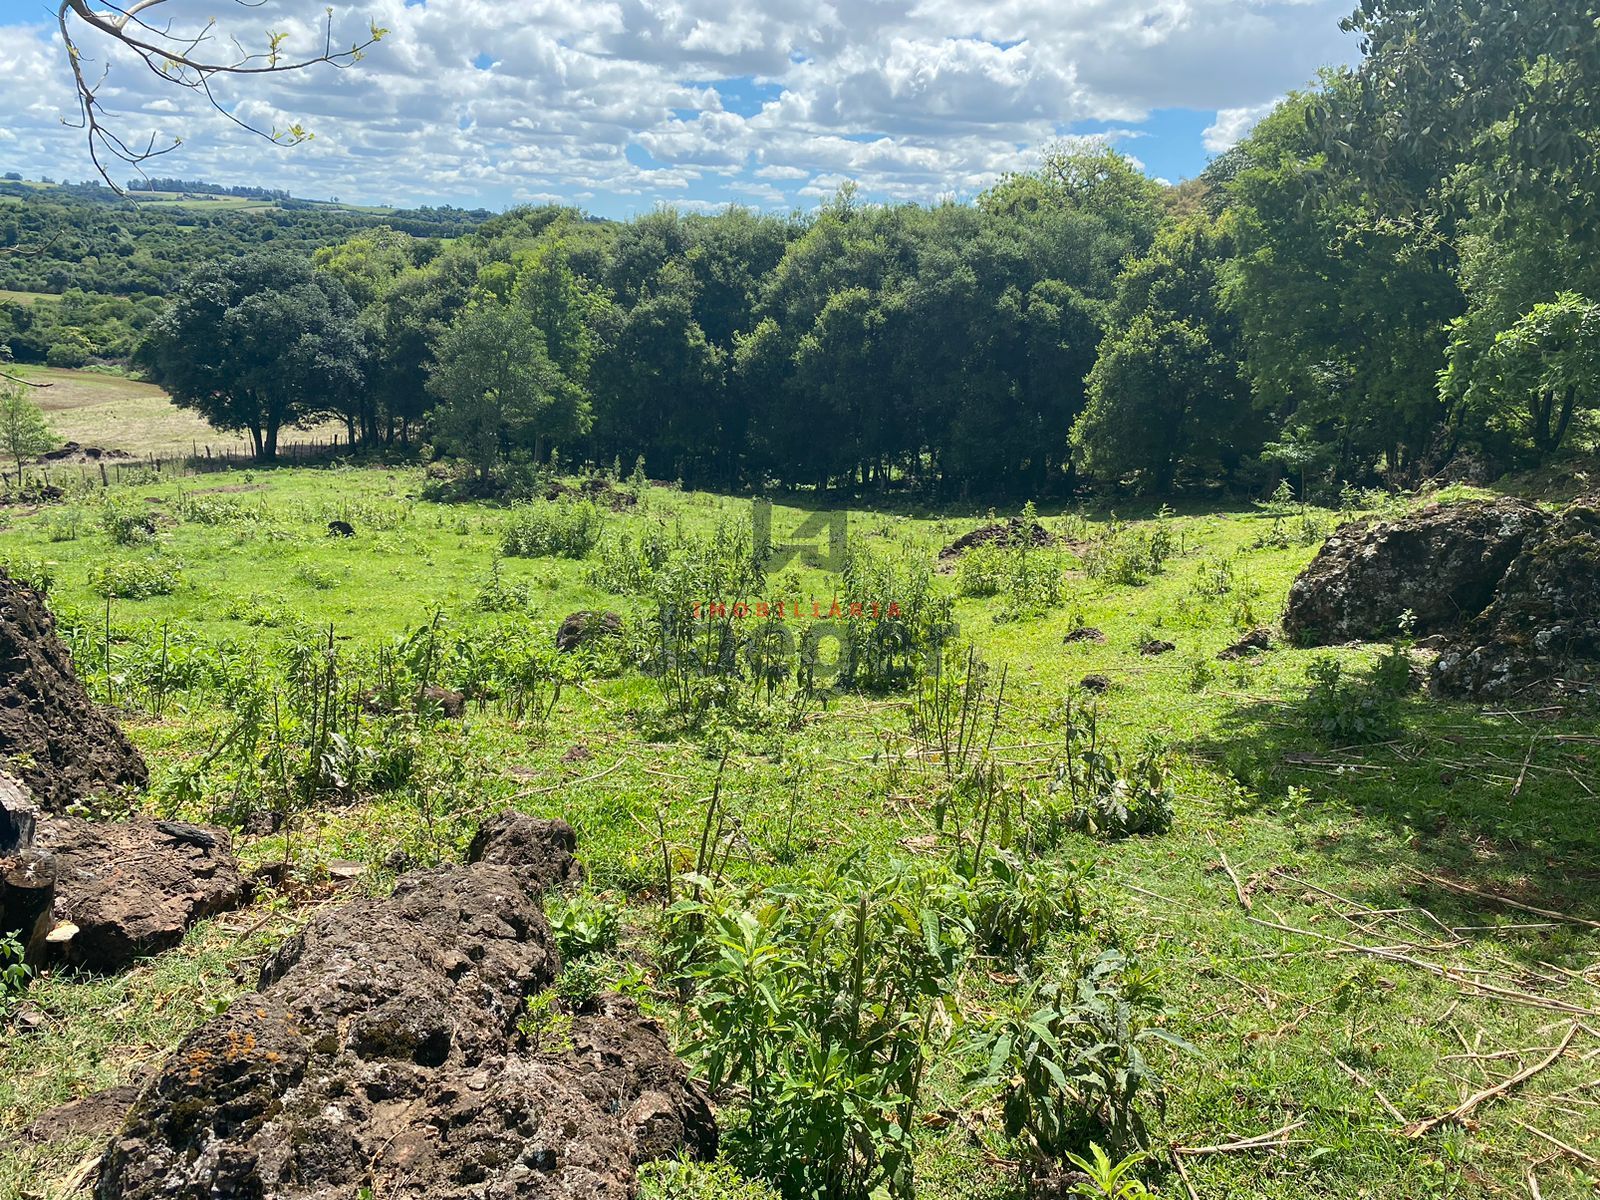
258,342
498,389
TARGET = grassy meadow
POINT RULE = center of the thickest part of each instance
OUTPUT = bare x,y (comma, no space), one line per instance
1315,924
97,408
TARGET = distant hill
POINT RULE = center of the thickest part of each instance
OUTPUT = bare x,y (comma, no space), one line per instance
86,236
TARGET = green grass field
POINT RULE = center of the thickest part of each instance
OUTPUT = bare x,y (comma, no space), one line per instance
27,298
1308,920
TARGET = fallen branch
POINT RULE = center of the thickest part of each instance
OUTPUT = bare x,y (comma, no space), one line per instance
1572,1151
1498,899
1262,1141
1417,1128
1488,989
1238,888
1369,1085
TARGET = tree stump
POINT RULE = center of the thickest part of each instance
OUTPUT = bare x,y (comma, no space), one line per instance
27,900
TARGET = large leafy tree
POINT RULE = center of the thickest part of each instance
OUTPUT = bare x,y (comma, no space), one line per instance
259,342
498,388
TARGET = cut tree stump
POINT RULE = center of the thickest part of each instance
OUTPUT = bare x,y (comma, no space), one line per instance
27,898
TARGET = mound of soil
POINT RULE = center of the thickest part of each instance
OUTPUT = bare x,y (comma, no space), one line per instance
1255,642
133,888
1007,532
1095,683
586,627
1084,633
53,738
601,491
1442,565
383,1053
1513,591
1156,646
72,452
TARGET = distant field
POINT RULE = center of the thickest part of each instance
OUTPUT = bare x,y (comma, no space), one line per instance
26,297
124,414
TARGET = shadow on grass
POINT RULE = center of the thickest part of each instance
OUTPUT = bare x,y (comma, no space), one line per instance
1504,801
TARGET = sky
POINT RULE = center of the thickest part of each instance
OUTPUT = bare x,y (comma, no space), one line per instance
619,106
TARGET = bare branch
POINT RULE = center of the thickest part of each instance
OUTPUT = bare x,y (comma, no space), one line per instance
184,60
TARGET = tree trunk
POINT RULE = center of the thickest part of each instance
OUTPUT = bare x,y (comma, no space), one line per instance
27,900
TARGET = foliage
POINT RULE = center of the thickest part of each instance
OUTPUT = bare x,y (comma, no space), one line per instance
820,1001
24,432
1128,554
1103,793
1348,711
561,528
134,579
586,925
1070,1062
14,973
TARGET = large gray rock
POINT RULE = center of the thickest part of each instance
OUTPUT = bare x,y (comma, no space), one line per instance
1443,565
382,1055
133,888
1544,620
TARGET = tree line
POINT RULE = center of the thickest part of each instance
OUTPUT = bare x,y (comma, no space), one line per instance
1392,277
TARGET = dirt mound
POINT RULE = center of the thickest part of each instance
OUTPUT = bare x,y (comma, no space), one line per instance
53,738
1514,592
1007,532
601,491
1442,565
1156,646
133,888
1544,620
72,452
585,627
1085,633
383,1053
1257,641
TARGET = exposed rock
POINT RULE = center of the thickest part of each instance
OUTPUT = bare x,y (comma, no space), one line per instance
1095,683
586,627
542,851
1255,642
1544,620
97,1115
1008,532
1442,565
1155,646
1508,594
1084,633
382,1052
53,737
133,888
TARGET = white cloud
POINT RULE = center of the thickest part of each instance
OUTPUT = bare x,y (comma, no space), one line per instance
628,102
1232,124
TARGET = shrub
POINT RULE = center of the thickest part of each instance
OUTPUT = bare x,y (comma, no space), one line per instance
587,925
127,521
1129,554
498,595
562,528
1350,711
1068,1059
315,577
1102,795
14,973
817,999
138,579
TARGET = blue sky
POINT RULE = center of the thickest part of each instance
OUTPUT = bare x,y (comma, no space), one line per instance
620,105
